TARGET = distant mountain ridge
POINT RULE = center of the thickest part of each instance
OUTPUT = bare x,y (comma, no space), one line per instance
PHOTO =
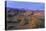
8,8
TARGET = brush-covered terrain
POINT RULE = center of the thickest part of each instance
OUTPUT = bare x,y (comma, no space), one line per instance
24,19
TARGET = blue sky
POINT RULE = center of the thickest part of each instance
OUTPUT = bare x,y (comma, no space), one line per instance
27,5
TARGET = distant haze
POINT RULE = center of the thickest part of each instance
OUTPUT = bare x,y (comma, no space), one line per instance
25,5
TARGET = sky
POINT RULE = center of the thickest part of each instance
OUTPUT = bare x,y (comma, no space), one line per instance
26,5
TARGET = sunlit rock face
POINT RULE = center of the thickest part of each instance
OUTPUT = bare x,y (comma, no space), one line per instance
28,13
39,13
